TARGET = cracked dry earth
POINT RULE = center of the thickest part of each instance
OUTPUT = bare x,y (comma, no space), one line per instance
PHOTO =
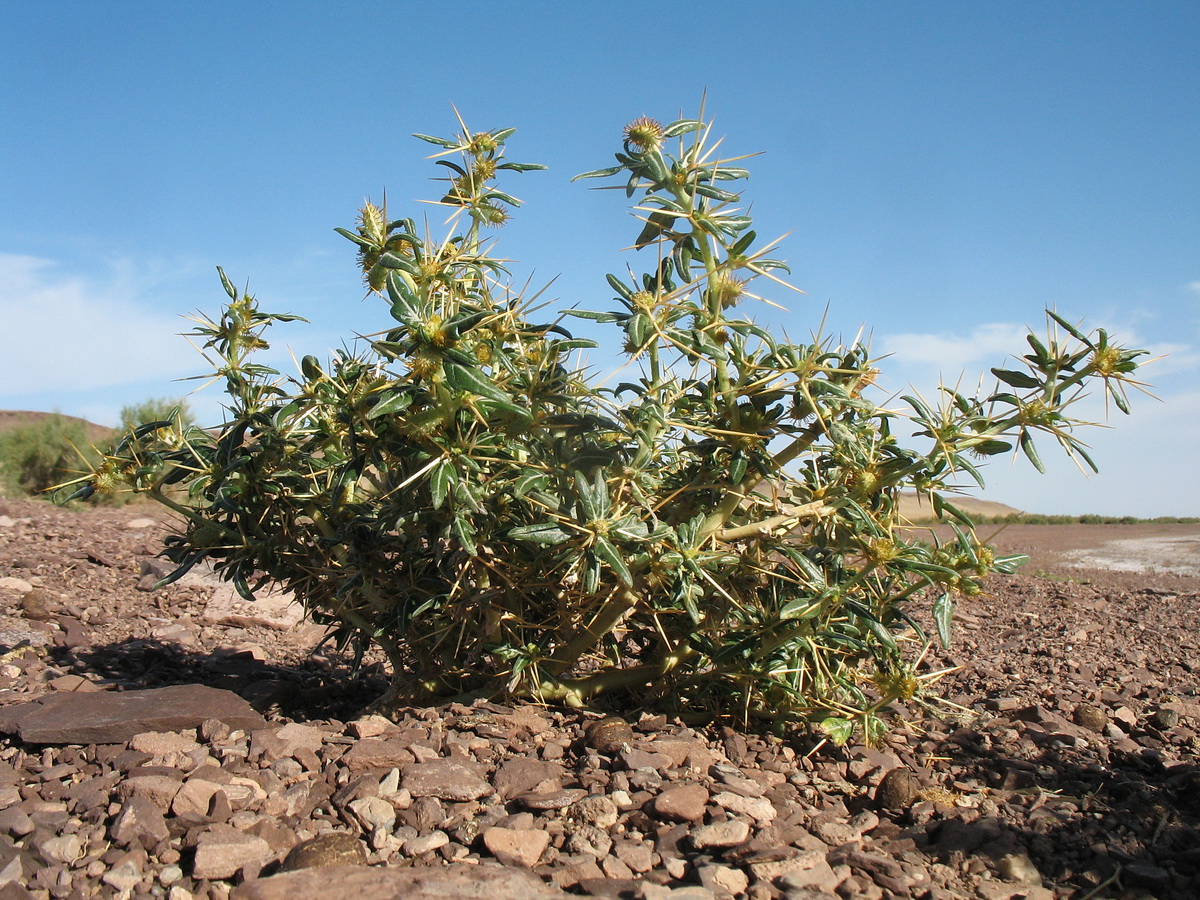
179,744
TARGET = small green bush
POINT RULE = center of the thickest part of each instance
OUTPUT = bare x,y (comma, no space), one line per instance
718,534
36,457
156,409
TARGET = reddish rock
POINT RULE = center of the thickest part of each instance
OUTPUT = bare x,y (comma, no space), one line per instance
106,717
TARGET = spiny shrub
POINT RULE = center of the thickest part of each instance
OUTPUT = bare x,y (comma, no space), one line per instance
717,535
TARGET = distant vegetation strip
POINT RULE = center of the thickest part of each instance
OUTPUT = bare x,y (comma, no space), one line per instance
1088,519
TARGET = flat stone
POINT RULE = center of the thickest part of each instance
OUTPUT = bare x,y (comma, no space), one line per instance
516,847
758,808
106,717
374,812
428,843
547,800
461,881
378,753
446,779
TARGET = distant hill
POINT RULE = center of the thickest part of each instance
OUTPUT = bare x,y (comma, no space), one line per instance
916,508
97,434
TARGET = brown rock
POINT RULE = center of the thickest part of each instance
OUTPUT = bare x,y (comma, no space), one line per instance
378,753
446,779
38,605
545,800
326,851
608,734
521,774
106,717
898,790
1091,717
455,882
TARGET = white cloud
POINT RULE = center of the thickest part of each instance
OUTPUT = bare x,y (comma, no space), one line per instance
66,332
951,353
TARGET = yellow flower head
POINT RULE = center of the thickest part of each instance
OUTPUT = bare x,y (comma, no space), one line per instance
644,133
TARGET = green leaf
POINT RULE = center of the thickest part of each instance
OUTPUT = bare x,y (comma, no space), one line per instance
943,615
598,173
529,481
1007,565
992,448
941,506
399,261
838,729
604,549
465,378
713,193
593,316
546,534
619,286
227,284
393,402
440,142
441,480
681,126
593,495
1071,329
1020,380
1030,451
465,532
524,167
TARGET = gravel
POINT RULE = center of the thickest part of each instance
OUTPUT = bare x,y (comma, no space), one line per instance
235,758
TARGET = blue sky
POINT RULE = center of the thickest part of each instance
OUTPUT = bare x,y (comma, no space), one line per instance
943,172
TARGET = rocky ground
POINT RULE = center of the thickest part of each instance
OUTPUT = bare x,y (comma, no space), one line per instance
179,744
